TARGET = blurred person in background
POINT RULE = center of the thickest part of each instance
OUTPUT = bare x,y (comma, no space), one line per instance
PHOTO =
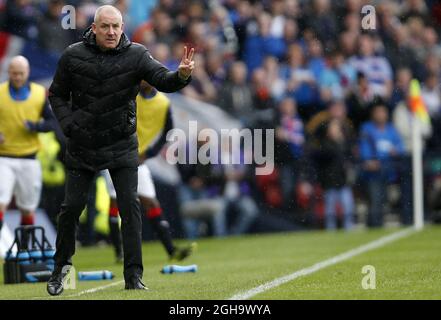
215,69
347,43
263,102
51,35
290,140
359,101
21,18
201,199
403,77
236,96
431,93
414,9
380,148
301,83
290,31
262,43
332,158
322,21
24,112
336,79
162,25
316,60
275,82
236,189
201,88
376,67
336,110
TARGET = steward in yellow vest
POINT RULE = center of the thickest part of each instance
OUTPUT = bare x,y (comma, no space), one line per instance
24,112
153,117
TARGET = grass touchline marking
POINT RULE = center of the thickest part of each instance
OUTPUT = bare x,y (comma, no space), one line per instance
323,264
91,290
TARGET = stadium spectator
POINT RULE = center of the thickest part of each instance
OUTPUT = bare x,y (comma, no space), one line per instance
262,43
290,140
376,68
348,43
263,103
316,61
322,21
336,79
236,189
332,159
414,8
431,94
431,43
399,51
201,198
380,149
236,96
336,110
359,101
162,25
21,18
290,31
201,87
273,78
401,88
301,83
215,69
51,34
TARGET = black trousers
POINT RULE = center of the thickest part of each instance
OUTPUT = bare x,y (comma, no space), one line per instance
78,183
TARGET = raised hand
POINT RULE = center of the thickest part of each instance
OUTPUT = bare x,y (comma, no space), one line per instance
187,64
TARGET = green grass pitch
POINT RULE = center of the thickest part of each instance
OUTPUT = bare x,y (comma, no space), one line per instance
409,268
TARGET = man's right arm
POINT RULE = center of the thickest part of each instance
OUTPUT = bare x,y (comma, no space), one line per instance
157,75
59,95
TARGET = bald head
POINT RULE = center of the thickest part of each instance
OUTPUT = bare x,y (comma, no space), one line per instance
107,27
107,10
18,71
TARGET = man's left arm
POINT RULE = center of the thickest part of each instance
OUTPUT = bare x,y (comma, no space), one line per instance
46,124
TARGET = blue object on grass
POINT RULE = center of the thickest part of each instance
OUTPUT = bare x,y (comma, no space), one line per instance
179,269
95,275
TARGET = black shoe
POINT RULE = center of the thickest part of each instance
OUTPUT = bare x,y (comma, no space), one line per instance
55,284
135,283
182,253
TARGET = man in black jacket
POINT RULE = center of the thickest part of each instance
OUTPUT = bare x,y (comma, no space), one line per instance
93,97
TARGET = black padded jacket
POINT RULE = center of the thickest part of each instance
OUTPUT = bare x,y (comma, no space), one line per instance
93,96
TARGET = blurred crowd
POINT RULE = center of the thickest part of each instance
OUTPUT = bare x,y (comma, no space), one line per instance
335,94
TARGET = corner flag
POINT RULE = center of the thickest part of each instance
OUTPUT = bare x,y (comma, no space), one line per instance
416,103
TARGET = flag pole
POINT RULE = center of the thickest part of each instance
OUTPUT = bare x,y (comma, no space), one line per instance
417,168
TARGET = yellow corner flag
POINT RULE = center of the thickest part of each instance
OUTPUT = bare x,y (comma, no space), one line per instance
416,103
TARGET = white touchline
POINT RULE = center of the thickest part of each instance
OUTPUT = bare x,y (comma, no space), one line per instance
92,290
326,263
